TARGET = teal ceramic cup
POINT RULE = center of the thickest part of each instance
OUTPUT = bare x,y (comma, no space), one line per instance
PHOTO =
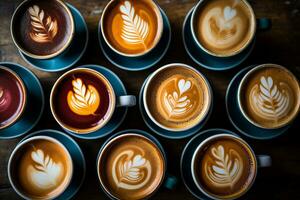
207,50
143,171
204,142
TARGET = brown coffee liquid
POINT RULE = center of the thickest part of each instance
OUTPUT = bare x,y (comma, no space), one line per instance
178,97
132,26
43,169
225,168
271,96
42,27
224,26
12,97
132,167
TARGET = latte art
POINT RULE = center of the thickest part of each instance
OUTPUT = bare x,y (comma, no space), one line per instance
270,101
131,171
225,27
44,173
44,28
83,100
226,169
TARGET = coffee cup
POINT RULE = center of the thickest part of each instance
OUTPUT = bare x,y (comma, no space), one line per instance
13,97
269,96
83,101
177,98
131,28
132,165
42,29
224,166
40,167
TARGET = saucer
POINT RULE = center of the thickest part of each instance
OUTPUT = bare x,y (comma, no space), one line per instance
34,107
73,53
206,60
120,112
141,62
79,165
165,133
186,160
238,120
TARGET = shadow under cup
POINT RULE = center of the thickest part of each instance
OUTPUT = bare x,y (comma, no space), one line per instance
82,101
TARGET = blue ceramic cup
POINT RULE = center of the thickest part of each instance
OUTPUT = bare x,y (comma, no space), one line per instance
176,105
139,168
213,59
197,146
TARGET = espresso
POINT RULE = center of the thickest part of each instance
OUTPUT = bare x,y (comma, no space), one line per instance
270,96
82,100
12,97
131,167
178,97
42,28
132,26
225,168
42,169
224,27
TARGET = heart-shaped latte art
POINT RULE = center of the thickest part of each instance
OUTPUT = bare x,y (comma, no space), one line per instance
184,86
229,13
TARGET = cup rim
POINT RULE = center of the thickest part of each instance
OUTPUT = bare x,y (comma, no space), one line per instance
25,98
35,56
250,40
242,83
157,37
207,84
108,114
48,138
240,140
113,139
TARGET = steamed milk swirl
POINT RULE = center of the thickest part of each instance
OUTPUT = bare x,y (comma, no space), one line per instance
224,26
270,96
131,167
225,167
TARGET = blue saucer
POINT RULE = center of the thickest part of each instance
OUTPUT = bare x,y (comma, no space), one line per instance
238,120
34,107
186,160
77,157
120,112
206,60
72,55
165,133
141,62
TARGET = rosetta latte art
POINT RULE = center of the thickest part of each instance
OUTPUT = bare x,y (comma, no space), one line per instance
269,100
177,103
131,171
44,173
226,169
43,29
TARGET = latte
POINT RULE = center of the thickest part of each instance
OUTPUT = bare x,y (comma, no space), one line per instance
42,29
12,97
224,167
177,97
41,168
132,27
269,96
224,27
131,166
82,100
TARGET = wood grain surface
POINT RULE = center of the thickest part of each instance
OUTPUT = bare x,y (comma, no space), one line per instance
280,45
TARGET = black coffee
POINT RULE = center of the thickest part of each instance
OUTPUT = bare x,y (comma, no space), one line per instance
42,28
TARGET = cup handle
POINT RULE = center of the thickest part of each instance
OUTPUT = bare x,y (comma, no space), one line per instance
170,182
264,160
264,24
126,101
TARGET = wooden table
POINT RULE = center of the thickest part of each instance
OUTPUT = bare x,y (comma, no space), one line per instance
280,45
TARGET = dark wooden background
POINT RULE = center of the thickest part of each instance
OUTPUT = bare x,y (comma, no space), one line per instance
281,45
